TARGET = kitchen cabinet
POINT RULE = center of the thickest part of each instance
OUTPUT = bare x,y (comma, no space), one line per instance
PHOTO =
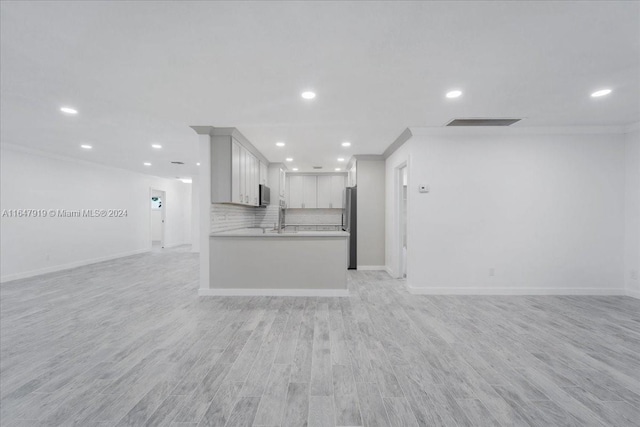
315,191
352,175
263,173
337,191
324,191
309,191
237,170
282,183
295,185
245,176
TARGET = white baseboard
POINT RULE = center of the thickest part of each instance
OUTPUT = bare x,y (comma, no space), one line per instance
514,291
389,270
61,267
372,267
210,292
174,245
633,294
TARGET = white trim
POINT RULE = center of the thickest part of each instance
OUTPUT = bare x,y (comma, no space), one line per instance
372,267
519,130
633,294
211,292
513,291
82,263
389,271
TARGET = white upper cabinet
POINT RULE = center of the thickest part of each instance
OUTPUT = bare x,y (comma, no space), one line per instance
263,173
295,185
236,173
315,191
352,176
337,191
310,191
324,191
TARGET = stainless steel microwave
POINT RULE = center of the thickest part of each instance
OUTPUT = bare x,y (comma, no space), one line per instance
265,198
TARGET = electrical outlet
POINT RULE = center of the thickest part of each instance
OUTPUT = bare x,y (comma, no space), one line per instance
422,188
492,272
634,274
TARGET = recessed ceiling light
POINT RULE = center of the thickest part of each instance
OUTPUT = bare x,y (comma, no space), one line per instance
197,164
86,147
308,95
454,94
346,144
186,180
341,159
289,159
601,92
295,169
280,144
337,169
147,164
156,146
68,110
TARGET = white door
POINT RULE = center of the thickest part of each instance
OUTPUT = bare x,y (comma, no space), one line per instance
310,192
324,191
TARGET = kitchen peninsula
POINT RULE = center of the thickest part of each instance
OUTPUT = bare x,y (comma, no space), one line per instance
255,261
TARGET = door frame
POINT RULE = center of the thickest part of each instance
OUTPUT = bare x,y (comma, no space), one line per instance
400,220
163,216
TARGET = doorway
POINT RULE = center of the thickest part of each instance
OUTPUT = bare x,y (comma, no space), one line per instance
403,178
158,204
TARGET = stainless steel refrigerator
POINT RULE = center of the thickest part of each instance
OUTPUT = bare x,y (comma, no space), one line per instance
350,225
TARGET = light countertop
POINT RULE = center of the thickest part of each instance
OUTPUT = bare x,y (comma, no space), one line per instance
257,232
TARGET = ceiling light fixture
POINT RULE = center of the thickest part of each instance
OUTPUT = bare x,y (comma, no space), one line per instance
454,94
600,93
156,146
197,164
295,169
346,144
86,147
147,164
68,110
341,159
289,159
308,95
337,169
186,180
280,144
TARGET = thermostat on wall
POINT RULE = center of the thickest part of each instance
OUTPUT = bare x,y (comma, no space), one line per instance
423,188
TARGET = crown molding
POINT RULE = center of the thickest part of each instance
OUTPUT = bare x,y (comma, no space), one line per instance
234,133
399,142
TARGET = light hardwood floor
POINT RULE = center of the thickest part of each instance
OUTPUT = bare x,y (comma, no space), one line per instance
128,342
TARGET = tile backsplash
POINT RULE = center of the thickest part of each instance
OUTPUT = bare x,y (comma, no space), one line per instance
231,217
313,216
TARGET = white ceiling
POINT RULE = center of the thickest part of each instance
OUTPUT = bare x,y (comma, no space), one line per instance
142,72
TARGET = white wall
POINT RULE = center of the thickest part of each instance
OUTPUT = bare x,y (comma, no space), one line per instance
33,246
632,213
371,213
544,211
392,163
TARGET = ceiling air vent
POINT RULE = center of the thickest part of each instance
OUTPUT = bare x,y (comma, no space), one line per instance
177,163
482,122
317,167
